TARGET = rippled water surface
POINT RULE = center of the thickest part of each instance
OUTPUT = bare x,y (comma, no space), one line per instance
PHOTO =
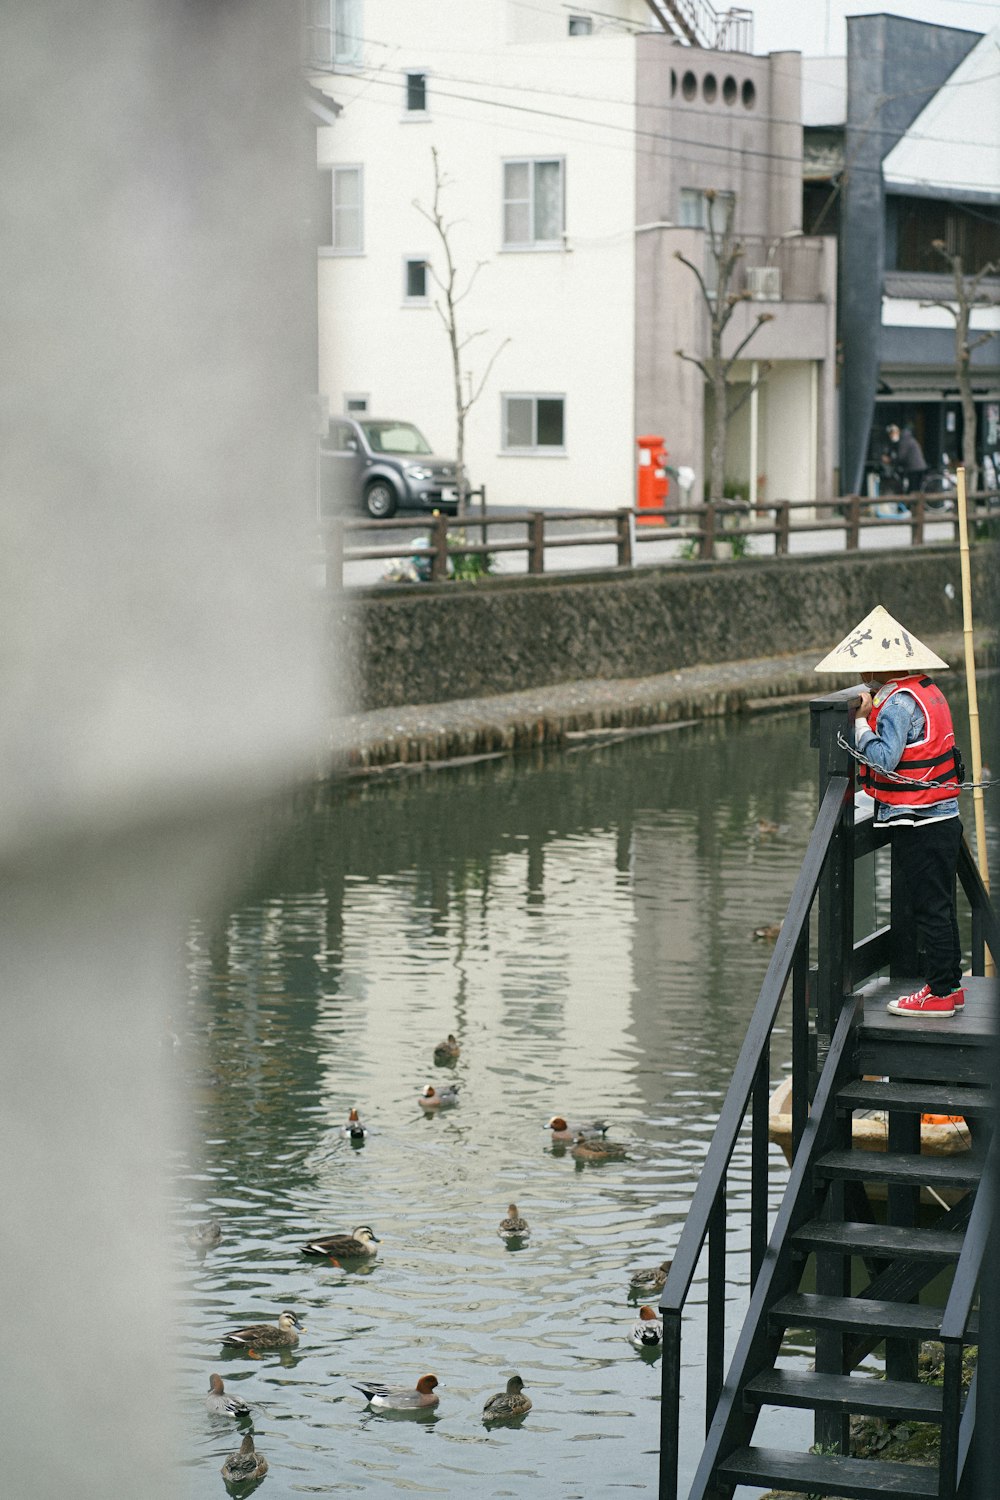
583,922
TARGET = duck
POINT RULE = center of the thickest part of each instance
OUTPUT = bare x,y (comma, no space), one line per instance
205,1236
766,828
651,1280
361,1241
647,1333
221,1405
509,1403
244,1465
354,1130
282,1335
447,1050
563,1131
596,1149
399,1397
769,933
513,1224
432,1098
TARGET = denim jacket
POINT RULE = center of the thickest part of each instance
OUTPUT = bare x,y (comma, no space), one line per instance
900,722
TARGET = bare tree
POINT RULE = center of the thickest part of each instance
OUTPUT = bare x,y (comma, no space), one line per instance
967,296
726,252
452,295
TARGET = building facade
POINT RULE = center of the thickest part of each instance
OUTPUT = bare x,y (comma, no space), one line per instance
573,155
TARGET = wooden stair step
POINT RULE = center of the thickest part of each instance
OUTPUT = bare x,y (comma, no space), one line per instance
880,1241
901,1167
900,1320
896,1400
917,1098
829,1474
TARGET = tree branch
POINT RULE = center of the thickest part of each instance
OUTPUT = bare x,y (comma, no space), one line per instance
691,360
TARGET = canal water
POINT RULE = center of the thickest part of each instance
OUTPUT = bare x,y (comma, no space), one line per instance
584,923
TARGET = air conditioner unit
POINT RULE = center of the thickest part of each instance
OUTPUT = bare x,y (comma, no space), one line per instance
764,283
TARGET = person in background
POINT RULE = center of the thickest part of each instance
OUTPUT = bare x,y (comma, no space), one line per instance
904,733
908,458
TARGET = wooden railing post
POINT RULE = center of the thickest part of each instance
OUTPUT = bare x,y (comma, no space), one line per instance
624,539
919,514
783,521
439,543
708,532
853,528
536,539
333,535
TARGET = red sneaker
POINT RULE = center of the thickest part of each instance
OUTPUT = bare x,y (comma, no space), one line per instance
923,1003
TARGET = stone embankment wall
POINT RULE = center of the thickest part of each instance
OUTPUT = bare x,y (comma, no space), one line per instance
433,644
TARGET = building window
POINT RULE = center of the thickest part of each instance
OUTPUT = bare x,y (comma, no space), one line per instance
416,93
698,211
355,403
346,219
581,25
333,32
533,202
415,279
534,424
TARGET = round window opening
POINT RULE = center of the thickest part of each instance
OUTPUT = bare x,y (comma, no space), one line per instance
709,88
673,83
689,85
749,95
729,90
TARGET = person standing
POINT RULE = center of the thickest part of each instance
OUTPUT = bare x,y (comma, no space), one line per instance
905,736
909,458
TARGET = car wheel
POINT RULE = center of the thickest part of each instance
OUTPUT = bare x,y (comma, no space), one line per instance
380,500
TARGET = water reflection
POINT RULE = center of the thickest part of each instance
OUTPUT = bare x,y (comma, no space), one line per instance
583,925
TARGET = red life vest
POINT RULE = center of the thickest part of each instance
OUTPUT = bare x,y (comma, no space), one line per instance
931,758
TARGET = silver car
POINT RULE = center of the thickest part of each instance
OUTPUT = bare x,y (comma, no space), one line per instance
383,466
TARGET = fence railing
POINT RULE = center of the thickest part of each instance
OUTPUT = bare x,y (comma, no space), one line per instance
700,529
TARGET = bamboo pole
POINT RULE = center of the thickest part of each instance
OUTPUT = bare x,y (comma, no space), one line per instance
970,674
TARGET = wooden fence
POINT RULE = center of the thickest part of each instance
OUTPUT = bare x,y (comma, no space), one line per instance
449,538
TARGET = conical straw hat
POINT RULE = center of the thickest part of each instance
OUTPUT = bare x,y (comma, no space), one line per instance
880,644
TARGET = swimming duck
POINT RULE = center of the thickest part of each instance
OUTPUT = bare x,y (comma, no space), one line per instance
647,1333
247,1464
514,1224
768,934
360,1241
221,1405
652,1280
432,1098
447,1050
508,1403
354,1129
596,1149
256,1336
562,1131
766,828
400,1398
205,1236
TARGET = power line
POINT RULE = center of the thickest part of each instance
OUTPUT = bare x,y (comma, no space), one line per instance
635,133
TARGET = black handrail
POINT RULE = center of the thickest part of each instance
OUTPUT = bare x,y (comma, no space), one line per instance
955,1332
708,1204
826,873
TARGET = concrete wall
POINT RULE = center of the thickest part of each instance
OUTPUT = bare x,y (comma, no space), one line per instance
435,643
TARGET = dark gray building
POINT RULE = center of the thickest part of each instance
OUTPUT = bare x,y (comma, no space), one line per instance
921,162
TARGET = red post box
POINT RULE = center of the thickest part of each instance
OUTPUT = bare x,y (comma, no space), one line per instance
653,484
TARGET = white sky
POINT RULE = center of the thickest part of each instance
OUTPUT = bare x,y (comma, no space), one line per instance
815,27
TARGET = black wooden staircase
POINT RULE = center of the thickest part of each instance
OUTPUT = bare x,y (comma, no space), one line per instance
861,1235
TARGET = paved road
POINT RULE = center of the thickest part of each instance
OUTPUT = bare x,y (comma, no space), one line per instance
651,546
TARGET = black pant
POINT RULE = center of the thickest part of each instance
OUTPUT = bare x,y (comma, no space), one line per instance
927,856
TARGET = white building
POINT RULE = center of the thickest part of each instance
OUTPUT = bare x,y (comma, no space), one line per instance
573,145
